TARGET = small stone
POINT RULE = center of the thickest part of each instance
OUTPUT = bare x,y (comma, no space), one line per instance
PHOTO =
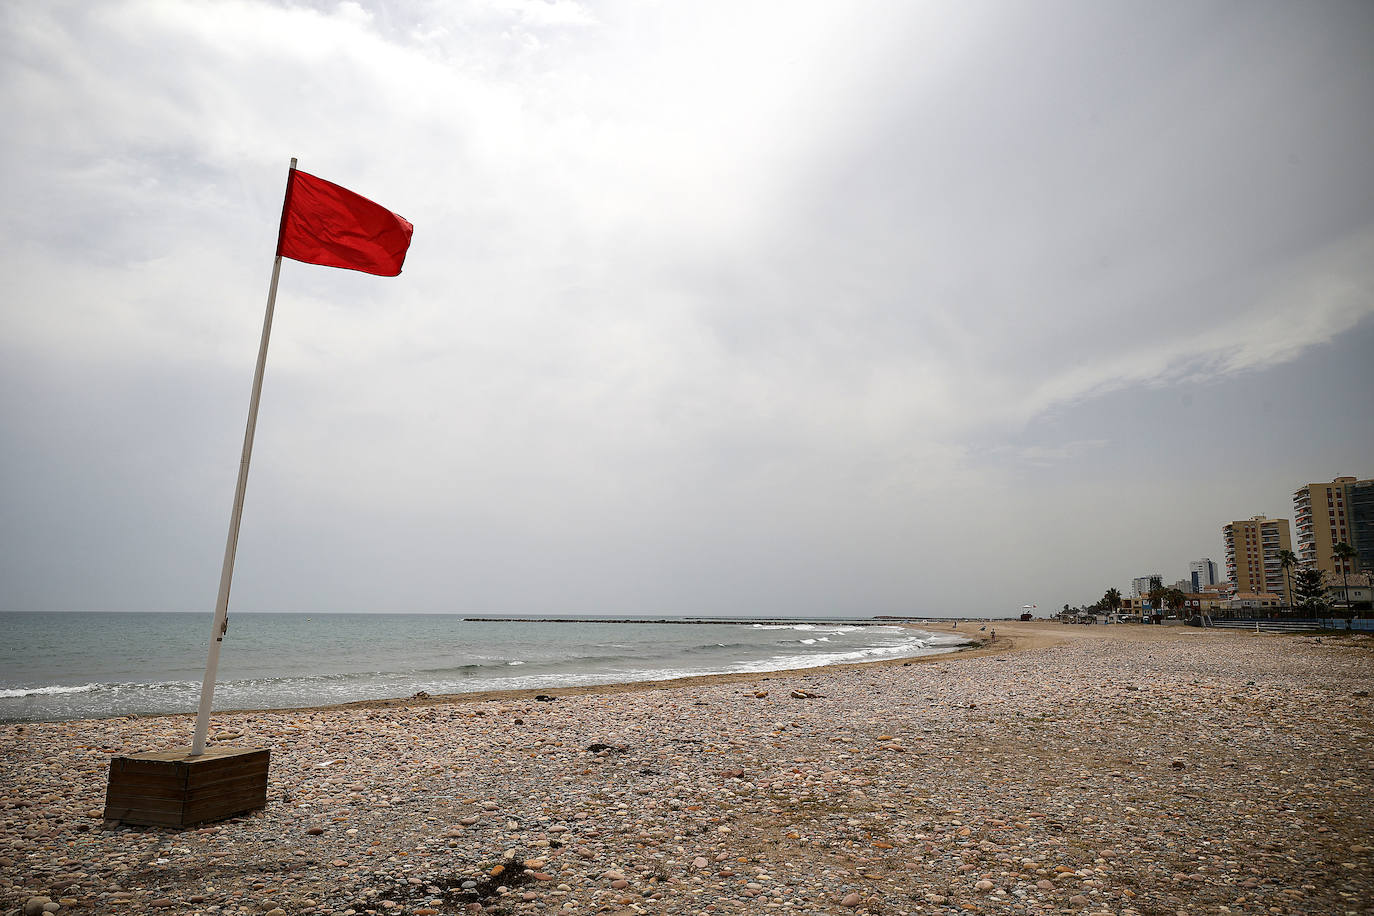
699,862
852,899
985,885
34,905
315,831
1075,900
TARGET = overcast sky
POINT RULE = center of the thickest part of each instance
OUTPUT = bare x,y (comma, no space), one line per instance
712,307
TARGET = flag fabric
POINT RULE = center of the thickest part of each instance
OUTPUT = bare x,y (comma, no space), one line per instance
322,223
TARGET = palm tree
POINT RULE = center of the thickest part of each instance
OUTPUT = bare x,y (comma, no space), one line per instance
1288,559
1345,553
1111,600
1156,596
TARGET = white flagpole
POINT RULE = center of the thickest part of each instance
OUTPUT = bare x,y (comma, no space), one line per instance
221,624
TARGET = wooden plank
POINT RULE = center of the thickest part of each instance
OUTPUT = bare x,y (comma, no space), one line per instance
147,785
196,774
169,806
143,768
244,796
224,806
209,777
134,800
145,817
227,787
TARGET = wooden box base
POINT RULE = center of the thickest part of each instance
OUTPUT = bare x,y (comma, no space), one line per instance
174,789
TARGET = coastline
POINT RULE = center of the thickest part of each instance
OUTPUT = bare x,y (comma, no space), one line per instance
973,650
1016,636
125,694
1058,769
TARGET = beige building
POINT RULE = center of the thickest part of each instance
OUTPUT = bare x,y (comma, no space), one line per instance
1251,601
1208,602
1327,514
1252,556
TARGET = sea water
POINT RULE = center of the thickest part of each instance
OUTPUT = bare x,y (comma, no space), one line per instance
87,665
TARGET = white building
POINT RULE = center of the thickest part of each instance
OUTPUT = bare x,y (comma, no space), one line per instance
1202,572
1140,586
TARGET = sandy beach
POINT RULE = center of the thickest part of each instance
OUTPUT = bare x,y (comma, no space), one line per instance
1059,769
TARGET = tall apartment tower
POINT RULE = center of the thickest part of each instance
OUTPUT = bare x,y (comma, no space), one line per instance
1141,585
1330,513
1202,572
1252,555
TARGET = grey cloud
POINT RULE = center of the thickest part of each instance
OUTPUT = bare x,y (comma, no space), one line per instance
708,310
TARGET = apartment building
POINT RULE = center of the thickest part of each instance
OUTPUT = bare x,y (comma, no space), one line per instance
1327,514
1141,585
1202,573
1252,555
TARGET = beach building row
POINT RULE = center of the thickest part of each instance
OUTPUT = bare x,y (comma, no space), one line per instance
1326,515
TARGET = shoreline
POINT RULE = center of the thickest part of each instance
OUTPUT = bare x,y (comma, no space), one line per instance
1059,769
619,687
1013,640
972,648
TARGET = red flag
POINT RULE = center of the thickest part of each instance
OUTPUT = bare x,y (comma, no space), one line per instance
322,223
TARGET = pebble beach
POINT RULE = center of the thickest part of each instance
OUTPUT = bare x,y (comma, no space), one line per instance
1057,769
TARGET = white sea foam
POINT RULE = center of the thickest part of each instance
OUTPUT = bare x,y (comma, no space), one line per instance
45,691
